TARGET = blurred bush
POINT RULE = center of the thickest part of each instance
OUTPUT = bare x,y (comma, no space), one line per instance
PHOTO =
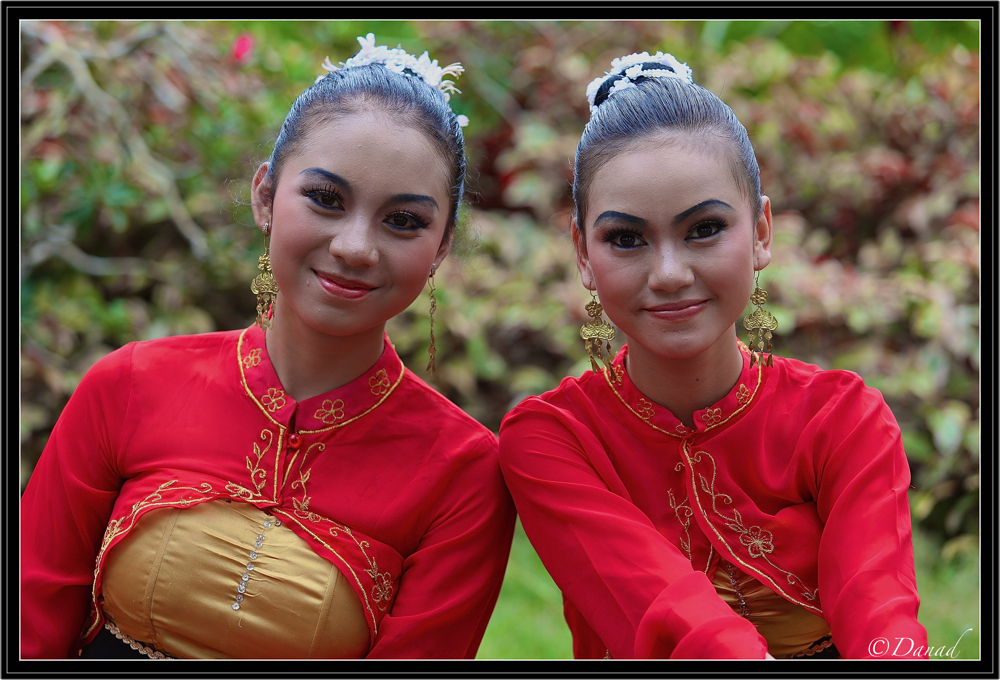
138,140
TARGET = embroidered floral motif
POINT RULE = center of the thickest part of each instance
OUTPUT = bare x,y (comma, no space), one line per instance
757,541
330,412
258,475
382,589
743,395
252,359
712,416
683,513
680,429
619,372
644,409
379,383
274,399
301,505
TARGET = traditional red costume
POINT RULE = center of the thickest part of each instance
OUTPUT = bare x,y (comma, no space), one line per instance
383,478
797,478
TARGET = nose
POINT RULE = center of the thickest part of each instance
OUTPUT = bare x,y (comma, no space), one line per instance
671,270
355,242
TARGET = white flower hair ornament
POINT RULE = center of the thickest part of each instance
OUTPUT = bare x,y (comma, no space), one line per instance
397,60
633,66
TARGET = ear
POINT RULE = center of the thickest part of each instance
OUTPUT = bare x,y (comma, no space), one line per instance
444,248
582,259
762,237
261,196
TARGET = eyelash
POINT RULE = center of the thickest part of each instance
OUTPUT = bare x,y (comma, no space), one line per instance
718,225
318,193
613,235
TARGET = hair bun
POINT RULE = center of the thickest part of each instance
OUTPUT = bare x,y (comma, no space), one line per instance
628,70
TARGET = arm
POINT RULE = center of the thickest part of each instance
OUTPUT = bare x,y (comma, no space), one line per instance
451,582
635,589
868,588
65,510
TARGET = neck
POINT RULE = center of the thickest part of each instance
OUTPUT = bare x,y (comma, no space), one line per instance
309,362
687,385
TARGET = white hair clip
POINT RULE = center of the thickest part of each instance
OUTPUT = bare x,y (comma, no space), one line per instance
632,67
398,59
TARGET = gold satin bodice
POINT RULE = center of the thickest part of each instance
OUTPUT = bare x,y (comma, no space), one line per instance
788,628
226,580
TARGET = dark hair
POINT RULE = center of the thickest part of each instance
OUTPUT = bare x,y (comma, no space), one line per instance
657,105
373,86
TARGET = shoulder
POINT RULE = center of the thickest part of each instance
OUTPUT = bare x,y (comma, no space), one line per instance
821,390
565,413
437,418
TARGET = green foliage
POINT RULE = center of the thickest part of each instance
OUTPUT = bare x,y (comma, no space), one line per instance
139,139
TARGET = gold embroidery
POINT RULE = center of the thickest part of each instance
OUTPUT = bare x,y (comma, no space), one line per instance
680,429
302,505
364,593
712,416
274,399
134,644
758,541
258,475
382,588
742,395
619,372
330,412
644,409
252,359
117,527
379,383
683,513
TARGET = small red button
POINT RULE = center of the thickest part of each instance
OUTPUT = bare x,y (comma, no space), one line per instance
294,441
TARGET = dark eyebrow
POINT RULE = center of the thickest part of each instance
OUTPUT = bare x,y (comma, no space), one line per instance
414,198
680,217
615,216
328,176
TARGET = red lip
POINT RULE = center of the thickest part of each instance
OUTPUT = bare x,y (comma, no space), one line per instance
677,311
341,287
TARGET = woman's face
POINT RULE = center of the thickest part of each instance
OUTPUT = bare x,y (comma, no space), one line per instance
357,220
670,245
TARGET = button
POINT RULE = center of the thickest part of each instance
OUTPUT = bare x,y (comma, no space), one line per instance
294,441
249,566
239,598
236,605
253,555
277,522
267,524
242,587
260,537
259,544
245,577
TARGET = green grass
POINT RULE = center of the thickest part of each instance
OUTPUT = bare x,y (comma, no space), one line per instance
528,621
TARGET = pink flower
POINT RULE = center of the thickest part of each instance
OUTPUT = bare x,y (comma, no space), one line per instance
242,48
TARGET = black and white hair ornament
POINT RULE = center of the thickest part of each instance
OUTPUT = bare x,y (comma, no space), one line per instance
627,71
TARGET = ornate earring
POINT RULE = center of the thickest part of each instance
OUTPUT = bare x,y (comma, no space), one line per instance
760,323
264,285
595,331
431,350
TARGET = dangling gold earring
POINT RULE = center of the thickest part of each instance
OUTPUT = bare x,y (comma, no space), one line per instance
431,350
264,285
595,331
760,323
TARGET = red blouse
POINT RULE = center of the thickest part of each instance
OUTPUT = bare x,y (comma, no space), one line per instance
797,476
383,477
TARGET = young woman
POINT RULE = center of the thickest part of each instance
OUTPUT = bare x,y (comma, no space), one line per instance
294,492
696,498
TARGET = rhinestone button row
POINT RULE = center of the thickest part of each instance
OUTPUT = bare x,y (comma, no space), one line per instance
241,587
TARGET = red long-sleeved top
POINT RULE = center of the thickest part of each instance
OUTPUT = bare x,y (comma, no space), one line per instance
186,420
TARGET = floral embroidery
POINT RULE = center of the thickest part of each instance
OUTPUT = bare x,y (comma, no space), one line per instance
252,359
379,383
743,395
644,409
680,429
302,505
712,416
330,412
619,372
274,399
258,475
757,541
683,513
382,590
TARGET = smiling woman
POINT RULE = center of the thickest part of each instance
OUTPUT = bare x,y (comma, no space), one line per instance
289,490
695,497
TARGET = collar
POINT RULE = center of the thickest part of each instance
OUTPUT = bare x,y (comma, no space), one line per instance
661,419
323,412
